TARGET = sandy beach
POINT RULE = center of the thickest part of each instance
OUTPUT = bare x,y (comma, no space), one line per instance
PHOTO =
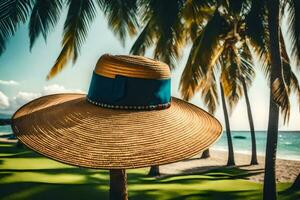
286,170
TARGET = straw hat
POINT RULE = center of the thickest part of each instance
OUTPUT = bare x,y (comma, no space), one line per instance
128,119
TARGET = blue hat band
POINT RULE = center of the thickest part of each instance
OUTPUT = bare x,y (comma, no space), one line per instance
129,93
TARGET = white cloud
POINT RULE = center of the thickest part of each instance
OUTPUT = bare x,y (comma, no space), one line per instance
12,104
4,101
55,88
10,82
24,97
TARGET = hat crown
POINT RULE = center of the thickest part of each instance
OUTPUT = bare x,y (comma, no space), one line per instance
130,82
131,66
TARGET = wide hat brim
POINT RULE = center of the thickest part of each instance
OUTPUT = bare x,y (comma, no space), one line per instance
69,129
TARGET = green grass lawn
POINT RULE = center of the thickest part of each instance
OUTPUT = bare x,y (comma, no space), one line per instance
27,175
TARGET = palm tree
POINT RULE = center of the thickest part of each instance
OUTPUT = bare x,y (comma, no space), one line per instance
215,47
251,124
230,160
256,36
281,77
276,77
195,14
279,87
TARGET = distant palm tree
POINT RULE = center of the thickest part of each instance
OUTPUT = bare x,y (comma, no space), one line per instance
195,14
214,47
248,20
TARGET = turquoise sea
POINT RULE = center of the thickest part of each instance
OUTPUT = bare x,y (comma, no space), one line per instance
288,142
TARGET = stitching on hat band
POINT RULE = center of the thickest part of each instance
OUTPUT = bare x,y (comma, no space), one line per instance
132,107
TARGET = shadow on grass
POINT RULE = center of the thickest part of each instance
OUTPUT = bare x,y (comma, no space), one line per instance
45,191
94,184
215,173
217,195
15,152
48,191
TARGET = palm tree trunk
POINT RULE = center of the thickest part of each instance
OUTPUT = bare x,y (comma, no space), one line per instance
251,124
154,171
270,159
230,161
118,184
296,184
272,133
205,154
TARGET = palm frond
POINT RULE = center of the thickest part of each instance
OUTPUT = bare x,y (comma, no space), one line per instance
191,75
294,28
144,40
12,13
44,17
209,93
169,46
237,8
198,11
256,32
231,76
167,17
122,16
204,3
280,93
204,53
79,17
247,65
210,45
290,79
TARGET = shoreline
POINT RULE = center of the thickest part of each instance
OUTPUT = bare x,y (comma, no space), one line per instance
5,138
286,157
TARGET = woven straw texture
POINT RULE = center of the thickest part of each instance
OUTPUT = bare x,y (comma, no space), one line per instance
67,128
131,66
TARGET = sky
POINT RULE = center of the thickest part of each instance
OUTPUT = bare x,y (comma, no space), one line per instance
23,74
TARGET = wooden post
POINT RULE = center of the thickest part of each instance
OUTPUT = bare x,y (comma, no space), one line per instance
118,184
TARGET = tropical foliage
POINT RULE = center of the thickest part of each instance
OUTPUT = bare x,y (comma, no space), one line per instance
225,35
43,16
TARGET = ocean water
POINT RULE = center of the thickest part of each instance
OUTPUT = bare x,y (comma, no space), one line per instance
5,129
288,142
